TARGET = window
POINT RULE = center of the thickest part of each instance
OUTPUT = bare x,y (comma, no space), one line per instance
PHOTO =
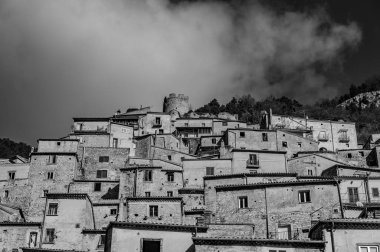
50,235
353,195
58,143
369,248
170,194
209,171
213,141
284,144
170,176
147,175
153,211
50,175
349,155
113,211
45,192
158,120
253,159
101,174
361,153
265,137
11,175
32,239
299,144
151,245
169,157
243,202
102,240
203,125
53,209
225,123
52,159
310,172
375,192
242,134
104,159
97,187
161,131
304,196
6,193
186,124
147,194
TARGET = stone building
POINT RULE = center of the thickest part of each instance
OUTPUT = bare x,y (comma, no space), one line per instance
154,123
256,161
176,105
331,135
350,235
15,235
279,210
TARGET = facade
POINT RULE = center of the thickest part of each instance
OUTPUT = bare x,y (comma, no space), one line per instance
331,135
186,182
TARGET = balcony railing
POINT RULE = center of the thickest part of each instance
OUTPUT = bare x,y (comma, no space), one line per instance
253,163
286,235
344,139
157,125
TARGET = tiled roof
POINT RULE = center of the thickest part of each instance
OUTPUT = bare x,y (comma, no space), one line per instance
359,224
237,175
154,198
238,241
272,184
258,151
91,119
67,196
107,203
90,132
158,226
93,231
10,223
49,250
136,167
58,139
191,191
96,180
54,153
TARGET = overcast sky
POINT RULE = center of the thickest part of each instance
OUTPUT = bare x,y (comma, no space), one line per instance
60,59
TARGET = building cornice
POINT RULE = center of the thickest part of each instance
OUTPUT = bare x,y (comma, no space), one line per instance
258,151
156,198
191,191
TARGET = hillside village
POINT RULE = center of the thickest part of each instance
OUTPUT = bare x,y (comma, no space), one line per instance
178,181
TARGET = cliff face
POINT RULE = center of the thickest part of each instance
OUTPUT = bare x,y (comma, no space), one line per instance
363,100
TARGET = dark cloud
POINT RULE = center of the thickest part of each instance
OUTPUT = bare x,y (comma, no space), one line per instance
60,59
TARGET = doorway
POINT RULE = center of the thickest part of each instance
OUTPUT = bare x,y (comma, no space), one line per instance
151,245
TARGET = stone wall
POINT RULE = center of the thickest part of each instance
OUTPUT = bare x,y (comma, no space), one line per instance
169,211
63,170
18,236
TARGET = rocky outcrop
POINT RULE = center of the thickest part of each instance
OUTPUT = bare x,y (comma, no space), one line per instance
363,100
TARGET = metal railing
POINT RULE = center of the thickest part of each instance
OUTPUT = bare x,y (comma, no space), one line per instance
285,235
344,139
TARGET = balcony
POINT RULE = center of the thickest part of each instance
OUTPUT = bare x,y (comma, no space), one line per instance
157,124
286,235
253,163
344,139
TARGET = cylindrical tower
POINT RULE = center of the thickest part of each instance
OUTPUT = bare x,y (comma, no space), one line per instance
176,103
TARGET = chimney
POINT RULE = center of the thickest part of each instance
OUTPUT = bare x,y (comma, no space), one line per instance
270,119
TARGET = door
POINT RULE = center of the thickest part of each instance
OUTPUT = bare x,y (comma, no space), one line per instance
149,245
33,239
283,232
115,142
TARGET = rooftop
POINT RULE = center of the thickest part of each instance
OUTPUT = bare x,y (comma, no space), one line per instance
158,226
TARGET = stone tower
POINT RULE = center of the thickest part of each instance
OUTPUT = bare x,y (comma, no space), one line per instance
176,104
